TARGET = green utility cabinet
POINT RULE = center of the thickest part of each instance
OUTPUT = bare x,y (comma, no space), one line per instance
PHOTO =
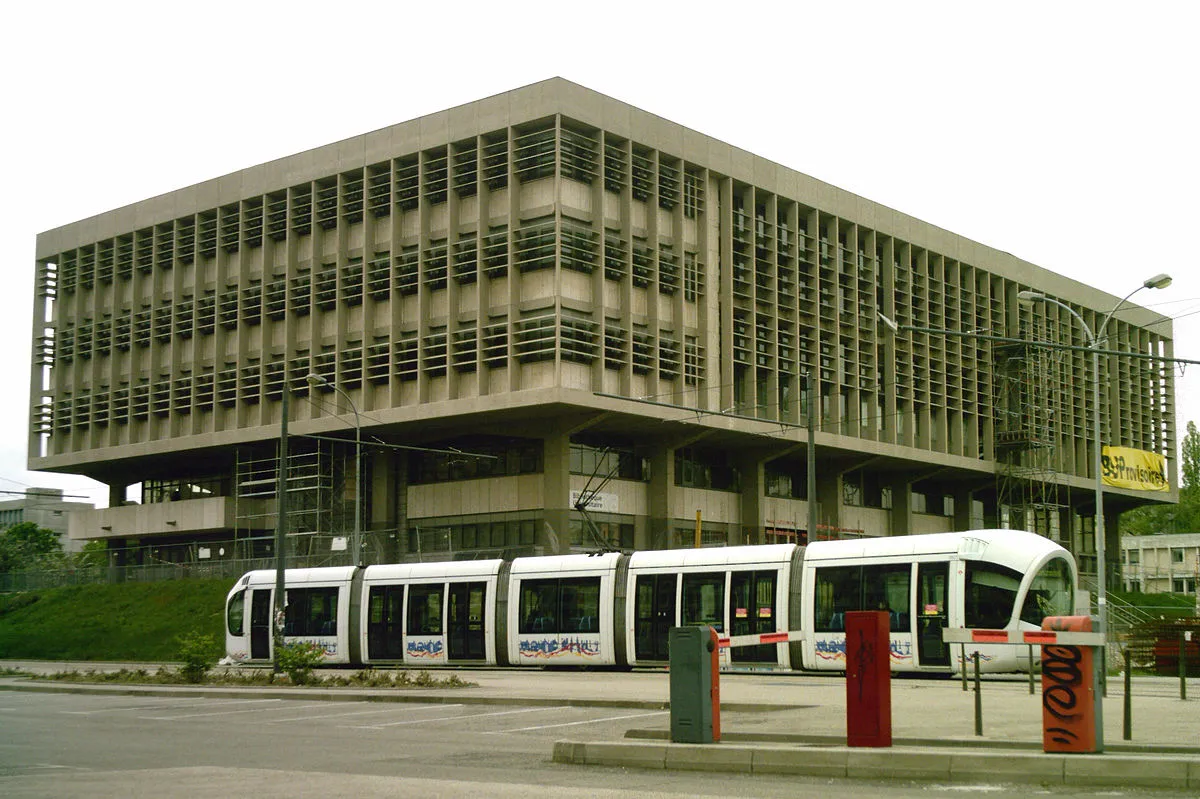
695,685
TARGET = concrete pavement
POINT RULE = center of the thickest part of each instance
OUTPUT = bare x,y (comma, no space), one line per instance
787,723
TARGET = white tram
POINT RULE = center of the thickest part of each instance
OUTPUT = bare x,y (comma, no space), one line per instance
616,610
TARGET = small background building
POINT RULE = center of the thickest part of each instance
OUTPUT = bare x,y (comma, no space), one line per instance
1155,564
47,508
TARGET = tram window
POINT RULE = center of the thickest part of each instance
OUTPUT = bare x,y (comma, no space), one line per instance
566,606
311,611
425,609
991,595
539,606
704,600
1049,594
839,589
581,606
887,588
237,613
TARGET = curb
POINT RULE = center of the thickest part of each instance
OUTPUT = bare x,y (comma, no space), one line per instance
352,695
943,765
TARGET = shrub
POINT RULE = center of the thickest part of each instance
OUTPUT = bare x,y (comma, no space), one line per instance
198,652
299,658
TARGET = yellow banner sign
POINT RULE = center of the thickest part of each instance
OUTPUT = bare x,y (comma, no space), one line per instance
1134,468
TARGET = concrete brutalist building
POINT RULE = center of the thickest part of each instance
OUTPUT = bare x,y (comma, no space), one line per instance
549,299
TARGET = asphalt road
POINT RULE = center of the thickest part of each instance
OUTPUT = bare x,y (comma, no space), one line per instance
67,745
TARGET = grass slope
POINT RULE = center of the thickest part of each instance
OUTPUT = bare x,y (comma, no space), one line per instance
132,621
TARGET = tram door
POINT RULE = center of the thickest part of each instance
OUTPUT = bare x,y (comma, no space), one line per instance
752,612
933,586
654,615
465,621
385,622
260,625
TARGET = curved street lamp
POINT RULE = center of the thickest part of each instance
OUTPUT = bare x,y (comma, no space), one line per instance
315,380
1095,341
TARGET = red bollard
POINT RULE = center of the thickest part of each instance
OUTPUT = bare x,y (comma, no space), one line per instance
868,679
1072,716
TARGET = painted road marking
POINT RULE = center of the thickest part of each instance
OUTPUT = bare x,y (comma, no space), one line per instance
448,718
392,709
218,713
576,723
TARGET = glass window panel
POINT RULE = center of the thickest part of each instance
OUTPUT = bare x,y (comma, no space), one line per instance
991,595
838,590
704,599
425,609
539,606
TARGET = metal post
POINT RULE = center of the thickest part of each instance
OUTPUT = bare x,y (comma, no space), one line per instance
1127,731
1031,691
811,460
978,699
1182,667
1094,341
280,530
962,664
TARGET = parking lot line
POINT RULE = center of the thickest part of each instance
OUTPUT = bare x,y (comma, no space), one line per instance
444,718
218,713
393,709
576,723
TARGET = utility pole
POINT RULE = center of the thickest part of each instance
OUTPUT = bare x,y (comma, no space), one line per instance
280,530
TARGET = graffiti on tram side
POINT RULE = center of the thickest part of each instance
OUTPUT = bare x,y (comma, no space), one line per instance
430,650
328,645
834,649
547,648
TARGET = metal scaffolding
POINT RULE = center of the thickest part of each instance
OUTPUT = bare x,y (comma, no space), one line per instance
1030,398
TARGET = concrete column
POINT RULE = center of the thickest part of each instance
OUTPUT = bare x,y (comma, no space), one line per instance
962,508
751,527
829,500
116,560
662,483
901,513
116,494
389,504
556,492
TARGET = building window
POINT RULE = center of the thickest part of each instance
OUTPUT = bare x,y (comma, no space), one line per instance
1176,555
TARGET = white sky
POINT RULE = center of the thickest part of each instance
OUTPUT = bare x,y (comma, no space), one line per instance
1062,132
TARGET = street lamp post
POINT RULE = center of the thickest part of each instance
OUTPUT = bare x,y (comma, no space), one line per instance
315,380
1095,341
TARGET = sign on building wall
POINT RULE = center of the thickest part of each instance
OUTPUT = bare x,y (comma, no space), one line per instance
597,502
1138,469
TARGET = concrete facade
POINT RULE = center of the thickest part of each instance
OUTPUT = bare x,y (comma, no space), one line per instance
48,509
528,294
1156,564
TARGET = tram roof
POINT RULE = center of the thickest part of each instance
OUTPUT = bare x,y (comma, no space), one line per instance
1009,547
712,556
446,568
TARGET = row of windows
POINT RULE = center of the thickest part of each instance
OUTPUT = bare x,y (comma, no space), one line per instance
469,459
560,606
1134,556
427,538
401,184
305,293
535,336
620,463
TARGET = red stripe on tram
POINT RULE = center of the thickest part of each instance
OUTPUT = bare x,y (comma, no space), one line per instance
990,636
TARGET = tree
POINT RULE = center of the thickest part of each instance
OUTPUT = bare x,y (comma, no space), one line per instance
25,545
1191,458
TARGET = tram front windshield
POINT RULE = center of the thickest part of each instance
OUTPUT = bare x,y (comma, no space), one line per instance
1050,594
991,594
